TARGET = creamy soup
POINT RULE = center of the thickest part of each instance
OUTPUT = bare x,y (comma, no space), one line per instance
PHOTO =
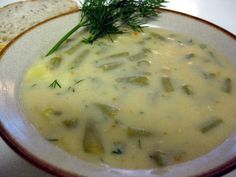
138,100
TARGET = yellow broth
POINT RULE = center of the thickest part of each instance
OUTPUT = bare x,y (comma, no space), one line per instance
141,101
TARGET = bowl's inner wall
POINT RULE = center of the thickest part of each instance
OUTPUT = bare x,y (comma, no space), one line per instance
36,43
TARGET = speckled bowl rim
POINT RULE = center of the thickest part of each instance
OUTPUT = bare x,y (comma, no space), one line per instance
33,159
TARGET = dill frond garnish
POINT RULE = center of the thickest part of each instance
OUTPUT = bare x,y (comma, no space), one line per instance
106,17
54,84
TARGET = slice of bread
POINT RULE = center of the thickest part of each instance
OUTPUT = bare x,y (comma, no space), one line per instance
18,17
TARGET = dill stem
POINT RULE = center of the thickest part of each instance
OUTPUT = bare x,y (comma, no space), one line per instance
65,37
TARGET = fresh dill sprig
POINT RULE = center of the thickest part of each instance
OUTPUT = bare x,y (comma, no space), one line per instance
54,84
106,17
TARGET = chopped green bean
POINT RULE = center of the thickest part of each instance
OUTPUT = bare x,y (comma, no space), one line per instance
72,50
202,46
55,62
143,63
214,58
141,55
136,80
52,139
189,56
80,58
92,142
147,38
137,56
159,158
211,54
209,75
70,123
103,47
167,84
187,89
158,36
144,73
210,124
146,50
137,132
188,42
108,110
110,66
227,86
118,55
139,143
33,85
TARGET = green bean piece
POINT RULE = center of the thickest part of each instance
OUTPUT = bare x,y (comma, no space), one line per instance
209,75
211,54
80,58
55,62
147,50
135,80
144,63
133,132
210,124
92,142
144,73
202,46
158,36
52,139
160,158
70,123
102,47
109,66
187,89
166,84
72,50
214,58
139,143
147,38
138,56
108,110
189,56
34,85
141,55
118,55
188,42
227,86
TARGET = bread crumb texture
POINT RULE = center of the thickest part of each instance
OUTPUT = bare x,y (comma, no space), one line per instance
18,17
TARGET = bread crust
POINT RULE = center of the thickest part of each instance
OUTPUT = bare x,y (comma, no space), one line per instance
17,17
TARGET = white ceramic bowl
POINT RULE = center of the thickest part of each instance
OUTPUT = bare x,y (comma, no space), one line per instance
19,133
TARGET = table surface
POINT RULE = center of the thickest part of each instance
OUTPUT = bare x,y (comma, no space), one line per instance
220,12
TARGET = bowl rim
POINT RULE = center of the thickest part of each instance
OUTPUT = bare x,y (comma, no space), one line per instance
47,167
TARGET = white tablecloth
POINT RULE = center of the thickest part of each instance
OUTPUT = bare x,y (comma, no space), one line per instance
220,12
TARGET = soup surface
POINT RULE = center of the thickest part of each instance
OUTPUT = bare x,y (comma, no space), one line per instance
141,101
